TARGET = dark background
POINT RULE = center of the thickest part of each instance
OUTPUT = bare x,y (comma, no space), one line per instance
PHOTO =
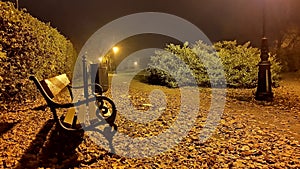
218,19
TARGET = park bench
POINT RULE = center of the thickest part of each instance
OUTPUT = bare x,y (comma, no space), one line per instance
101,108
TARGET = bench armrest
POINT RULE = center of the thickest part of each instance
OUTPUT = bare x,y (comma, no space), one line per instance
40,88
73,104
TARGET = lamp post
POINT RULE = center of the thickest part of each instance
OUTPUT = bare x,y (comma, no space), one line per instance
115,50
264,87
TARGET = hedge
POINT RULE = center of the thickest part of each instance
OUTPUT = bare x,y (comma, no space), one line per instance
29,46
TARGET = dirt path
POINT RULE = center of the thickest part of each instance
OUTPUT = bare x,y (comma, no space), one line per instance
291,82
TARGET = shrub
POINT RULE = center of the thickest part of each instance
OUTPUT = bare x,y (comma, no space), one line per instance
288,49
187,64
29,46
239,63
165,70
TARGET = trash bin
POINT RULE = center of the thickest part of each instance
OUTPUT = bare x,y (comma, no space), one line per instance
99,75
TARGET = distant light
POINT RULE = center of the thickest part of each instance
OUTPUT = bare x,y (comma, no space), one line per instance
115,49
101,59
135,63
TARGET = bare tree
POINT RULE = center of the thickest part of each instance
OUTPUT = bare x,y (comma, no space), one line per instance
288,48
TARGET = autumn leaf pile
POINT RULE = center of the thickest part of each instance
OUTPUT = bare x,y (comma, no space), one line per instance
250,134
28,46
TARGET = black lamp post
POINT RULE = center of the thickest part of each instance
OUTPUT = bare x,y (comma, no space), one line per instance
17,4
264,88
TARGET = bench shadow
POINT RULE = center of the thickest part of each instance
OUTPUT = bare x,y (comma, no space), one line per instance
5,127
52,148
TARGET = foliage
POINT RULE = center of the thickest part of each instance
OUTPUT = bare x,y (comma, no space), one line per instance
206,63
288,49
29,46
164,69
240,64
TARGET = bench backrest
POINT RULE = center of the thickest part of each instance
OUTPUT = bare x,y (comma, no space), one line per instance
55,85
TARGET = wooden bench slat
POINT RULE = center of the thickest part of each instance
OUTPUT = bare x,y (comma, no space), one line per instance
55,84
70,116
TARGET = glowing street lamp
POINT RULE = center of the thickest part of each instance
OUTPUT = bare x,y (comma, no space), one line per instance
115,49
100,59
264,87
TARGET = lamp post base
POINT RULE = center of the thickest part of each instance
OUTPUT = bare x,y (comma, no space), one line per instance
264,96
264,88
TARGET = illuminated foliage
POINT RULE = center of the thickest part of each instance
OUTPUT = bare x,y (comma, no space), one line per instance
239,63
29,46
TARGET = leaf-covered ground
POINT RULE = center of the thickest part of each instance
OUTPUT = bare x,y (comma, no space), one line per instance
251,134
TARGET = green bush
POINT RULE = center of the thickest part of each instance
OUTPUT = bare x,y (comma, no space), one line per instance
187,64
29,46
241,64
165,70
238,62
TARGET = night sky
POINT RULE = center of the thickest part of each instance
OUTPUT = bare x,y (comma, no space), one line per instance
218,19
